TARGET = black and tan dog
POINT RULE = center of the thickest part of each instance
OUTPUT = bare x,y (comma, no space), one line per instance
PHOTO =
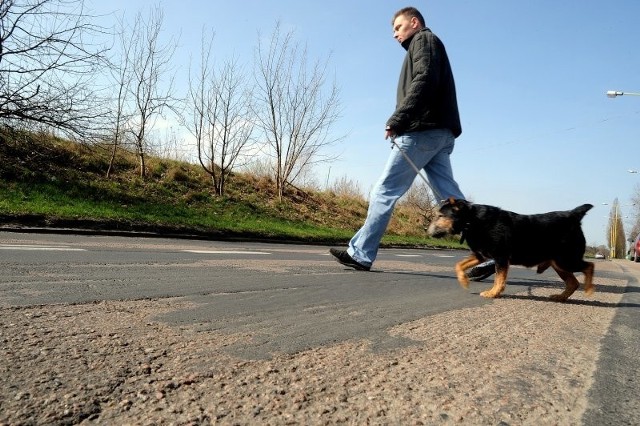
549,239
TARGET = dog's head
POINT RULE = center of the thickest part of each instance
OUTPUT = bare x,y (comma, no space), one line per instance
452,218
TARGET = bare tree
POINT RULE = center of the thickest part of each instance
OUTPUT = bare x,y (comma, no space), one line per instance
294,108
47,65
151,83
121,76
420,197
220,105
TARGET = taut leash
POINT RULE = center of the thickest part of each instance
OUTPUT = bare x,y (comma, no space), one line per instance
412,164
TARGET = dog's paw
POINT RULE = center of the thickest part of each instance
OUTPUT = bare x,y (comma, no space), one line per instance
558,297
463,280
489,294
589,290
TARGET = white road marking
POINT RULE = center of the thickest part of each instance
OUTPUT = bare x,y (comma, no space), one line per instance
38,248
408,255
224,252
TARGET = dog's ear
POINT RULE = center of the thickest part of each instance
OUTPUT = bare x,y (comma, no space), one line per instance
453,201
460,205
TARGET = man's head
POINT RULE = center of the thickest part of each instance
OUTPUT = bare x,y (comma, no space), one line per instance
406,22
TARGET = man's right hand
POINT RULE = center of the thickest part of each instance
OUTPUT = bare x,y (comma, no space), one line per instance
389,133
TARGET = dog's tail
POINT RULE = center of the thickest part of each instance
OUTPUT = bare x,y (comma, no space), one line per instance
580,211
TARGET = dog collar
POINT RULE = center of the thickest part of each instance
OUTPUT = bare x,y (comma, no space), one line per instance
463,233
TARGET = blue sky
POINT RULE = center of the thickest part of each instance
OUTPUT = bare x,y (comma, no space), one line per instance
539,134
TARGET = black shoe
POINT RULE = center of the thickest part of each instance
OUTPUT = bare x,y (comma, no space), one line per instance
343,257
482,271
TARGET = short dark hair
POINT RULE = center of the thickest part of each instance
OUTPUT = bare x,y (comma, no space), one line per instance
410,12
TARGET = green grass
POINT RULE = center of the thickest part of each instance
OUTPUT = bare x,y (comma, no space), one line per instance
60,181
64,203
49,200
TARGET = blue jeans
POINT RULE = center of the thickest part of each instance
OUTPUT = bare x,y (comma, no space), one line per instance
429,150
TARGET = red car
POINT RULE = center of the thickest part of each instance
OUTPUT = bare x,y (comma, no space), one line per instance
636,249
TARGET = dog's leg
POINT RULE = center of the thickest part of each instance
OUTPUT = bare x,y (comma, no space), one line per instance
499,283
589,288
543,267
570,282
462,266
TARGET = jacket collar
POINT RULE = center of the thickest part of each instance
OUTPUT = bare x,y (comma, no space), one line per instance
407,42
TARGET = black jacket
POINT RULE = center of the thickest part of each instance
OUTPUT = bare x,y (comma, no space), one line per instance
426,89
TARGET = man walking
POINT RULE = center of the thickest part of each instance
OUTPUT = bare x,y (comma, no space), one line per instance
424,126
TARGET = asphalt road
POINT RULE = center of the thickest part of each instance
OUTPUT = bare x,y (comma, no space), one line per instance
295,296
291,297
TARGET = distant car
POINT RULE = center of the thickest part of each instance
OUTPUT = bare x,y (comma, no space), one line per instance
635,250
599,256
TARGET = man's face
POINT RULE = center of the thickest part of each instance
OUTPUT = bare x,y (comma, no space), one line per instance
404,27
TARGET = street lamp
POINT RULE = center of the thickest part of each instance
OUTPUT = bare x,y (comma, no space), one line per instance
614,230
615,93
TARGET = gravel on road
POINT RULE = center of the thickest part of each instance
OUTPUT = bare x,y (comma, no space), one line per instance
518,360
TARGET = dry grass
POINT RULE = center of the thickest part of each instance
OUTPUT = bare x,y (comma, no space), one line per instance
79,170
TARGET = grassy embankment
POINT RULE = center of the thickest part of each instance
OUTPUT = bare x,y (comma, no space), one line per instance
46,181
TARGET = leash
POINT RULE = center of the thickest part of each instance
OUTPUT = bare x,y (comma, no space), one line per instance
463,233
412,164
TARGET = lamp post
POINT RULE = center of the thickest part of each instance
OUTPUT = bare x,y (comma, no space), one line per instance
614,232
616,93
614,228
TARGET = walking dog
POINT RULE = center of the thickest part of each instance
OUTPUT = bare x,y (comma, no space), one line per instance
548,239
